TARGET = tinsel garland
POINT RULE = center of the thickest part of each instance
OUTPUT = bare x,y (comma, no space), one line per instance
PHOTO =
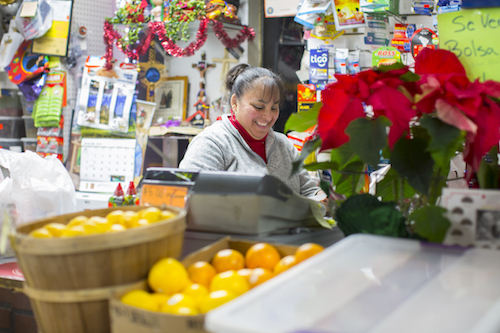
158,29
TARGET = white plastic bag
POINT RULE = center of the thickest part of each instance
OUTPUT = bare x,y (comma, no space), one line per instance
36,26
41,187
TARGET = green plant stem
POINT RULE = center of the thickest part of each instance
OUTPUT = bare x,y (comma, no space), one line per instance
434,190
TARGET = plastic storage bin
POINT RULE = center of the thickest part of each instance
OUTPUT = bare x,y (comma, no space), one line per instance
27,107
11,144
10,103
375,284
11,127
29,144
29,125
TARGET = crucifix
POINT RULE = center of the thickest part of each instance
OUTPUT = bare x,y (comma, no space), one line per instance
202,66
225,63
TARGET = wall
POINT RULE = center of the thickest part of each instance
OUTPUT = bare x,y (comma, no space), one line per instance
249,13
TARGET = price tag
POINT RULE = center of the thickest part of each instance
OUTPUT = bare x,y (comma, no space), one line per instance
29,9
158,195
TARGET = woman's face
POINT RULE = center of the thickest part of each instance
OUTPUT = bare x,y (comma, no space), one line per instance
256,110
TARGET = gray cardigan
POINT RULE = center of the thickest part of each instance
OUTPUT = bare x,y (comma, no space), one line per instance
221,147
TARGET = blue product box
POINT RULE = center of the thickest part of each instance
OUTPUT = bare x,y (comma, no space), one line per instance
480,3
318,68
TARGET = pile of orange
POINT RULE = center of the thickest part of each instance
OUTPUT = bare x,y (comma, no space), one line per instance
115,221
204,285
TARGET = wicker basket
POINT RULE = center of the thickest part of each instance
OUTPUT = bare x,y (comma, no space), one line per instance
69,280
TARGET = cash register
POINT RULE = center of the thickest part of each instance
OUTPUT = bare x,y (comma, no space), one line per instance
228,202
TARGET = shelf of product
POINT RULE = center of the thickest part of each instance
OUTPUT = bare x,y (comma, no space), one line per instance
11,127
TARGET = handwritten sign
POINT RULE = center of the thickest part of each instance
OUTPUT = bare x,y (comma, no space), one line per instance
474,36
164,195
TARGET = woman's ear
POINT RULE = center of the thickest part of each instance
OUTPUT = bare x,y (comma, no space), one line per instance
234,102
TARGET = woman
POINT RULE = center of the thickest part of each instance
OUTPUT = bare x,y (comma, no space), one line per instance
245,141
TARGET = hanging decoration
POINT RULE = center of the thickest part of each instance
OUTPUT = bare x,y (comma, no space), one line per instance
168,30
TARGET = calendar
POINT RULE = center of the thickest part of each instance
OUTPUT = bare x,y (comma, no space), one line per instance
106,162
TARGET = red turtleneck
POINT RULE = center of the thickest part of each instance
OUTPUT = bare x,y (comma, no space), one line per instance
258,146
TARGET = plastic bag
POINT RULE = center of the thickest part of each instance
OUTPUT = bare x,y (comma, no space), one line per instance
41,187
36,26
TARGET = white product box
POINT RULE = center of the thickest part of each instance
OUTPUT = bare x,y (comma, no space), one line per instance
89,201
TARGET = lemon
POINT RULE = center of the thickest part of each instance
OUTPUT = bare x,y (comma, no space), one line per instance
177,301
152,214
160,299
185,311
166,214
168,276
117,228
77,220
230,281
140,299
55,229
77,230
116,217
139,223
197,292
130,218
90,227
101,223
41,233
215,299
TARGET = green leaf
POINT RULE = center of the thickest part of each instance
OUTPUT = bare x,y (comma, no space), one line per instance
343,155
321,166
363,213
410,77
442,135
411,160
387,187
487,174
367,137
385,69
302,121
318,214
309,147
430,223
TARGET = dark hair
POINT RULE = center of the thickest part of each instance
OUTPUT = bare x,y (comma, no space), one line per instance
242,77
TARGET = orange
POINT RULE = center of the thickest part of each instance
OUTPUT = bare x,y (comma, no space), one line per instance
228,259
230,281
284,264
215,299
262,255
245,272
201,272
307,250
258,276
168,276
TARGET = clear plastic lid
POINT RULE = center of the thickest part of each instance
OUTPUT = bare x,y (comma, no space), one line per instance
367,283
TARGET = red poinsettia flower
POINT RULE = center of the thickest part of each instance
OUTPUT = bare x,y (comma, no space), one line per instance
339,109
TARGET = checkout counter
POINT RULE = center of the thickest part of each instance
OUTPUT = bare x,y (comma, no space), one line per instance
247,206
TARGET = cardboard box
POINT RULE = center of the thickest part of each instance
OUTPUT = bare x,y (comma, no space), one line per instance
128,319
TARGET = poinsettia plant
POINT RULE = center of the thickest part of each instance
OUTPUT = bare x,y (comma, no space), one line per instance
416,119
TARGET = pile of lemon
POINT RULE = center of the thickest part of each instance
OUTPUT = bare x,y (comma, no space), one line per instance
115,221
204,286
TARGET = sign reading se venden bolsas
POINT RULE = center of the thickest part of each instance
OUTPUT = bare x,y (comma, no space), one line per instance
474,36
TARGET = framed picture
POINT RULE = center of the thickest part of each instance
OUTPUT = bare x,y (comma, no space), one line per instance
347,14
171,99
145,114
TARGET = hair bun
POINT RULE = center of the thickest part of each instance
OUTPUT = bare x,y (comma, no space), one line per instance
233,74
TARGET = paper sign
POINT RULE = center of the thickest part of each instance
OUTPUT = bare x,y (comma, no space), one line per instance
281,8
474,36
55,41
29,9
158,195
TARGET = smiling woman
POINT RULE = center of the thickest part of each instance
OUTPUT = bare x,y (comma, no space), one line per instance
245,141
